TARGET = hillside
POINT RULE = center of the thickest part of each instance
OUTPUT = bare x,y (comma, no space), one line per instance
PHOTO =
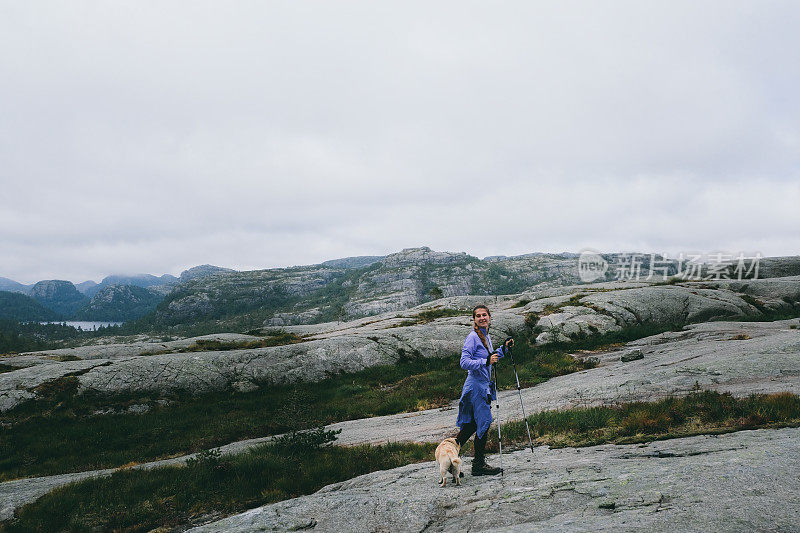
618,485
138,280
434,330
12,286
119,303
335,291
347,289
209,299
16,306
59,296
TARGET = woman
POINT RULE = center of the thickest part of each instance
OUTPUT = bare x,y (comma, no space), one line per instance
474,408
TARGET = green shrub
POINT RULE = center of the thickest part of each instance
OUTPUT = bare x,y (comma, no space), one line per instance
697,413
521,303
210,485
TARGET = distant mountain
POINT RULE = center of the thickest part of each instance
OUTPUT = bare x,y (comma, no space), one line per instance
12,286
342,290
63,301
336,290
85,286
119,303
208,297
137,280
201,272
59,296
22,308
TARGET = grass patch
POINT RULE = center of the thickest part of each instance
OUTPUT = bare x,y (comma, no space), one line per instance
521,303
280,338
213,486
758,304
550,309
430,315
210,486
8,368
63,358
705,412
770,315
60,432
573,301
274,338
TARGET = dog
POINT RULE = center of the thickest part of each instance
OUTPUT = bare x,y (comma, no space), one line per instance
449,461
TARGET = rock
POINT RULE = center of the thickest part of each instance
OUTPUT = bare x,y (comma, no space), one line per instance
189,307
360,261
704,483
141,346
290,319
633,355
202,271
422,255
603,308
574,321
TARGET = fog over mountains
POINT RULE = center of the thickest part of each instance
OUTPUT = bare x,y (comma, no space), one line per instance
115,298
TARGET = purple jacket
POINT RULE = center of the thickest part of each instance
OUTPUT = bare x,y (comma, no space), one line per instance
473,405
474,357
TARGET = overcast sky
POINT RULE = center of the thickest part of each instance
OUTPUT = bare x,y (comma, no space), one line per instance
154,136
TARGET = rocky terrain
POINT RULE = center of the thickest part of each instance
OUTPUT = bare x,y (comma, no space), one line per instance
725,335
329,348
738,357
222,299
357,287
744,481
603,308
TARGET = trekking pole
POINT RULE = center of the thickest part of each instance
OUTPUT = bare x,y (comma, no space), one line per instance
519,390
499,436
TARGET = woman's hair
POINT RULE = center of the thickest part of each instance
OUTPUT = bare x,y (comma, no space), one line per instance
480,307
477,330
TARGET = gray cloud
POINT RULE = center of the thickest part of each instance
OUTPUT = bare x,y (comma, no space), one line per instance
149,137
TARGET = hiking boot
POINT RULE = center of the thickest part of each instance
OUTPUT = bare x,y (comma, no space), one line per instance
479,466
483,469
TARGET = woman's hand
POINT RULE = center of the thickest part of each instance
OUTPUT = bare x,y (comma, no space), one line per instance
493,358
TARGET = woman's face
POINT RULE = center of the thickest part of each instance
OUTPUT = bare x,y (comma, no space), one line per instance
482,318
